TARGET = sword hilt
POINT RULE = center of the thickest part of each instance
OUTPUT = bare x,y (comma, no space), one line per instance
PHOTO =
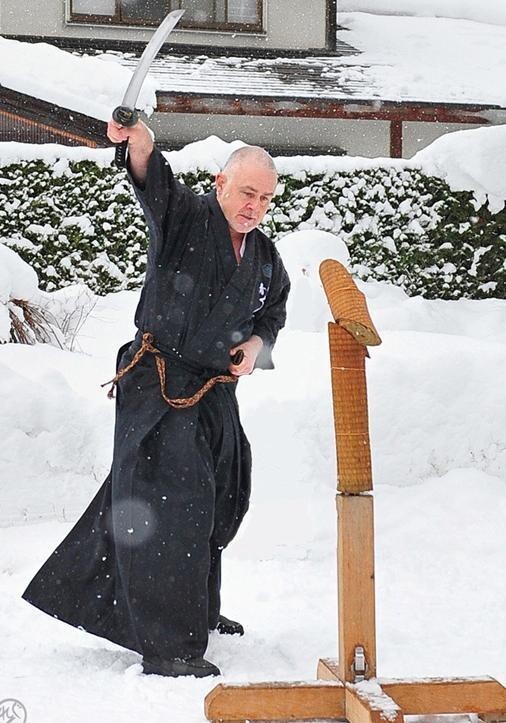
238,357
126,117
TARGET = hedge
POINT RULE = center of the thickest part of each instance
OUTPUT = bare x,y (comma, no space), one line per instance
79,222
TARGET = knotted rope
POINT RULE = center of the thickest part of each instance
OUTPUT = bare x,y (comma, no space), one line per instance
178,403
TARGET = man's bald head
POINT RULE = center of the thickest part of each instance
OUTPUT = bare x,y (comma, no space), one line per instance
245,188
254,155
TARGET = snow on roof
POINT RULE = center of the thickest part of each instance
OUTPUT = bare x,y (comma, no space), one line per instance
488,11
262,77
88,85
406,59
430,59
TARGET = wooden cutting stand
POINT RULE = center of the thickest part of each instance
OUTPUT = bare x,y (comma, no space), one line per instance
347,688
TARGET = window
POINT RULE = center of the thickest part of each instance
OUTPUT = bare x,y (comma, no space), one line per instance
204,14
93,7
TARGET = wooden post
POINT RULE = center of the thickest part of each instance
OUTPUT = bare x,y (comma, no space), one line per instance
331,25
355,574
395,139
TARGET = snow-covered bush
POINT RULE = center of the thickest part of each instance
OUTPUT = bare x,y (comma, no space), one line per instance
79,222
403,227
29,315
69,308
23,319
73,222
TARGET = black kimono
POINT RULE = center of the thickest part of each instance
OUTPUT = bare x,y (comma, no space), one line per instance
141,567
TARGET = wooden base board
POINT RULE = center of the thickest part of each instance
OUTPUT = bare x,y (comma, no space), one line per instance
371,706
330,699
276,701
280,702
436,695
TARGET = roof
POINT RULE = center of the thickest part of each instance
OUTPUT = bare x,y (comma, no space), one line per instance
257,77
396,59
38,121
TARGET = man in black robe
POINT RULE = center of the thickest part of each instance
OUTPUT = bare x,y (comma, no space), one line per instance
142,565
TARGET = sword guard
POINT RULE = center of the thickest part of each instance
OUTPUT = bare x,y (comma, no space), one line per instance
125,116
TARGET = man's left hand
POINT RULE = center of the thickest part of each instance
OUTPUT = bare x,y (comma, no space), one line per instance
251,350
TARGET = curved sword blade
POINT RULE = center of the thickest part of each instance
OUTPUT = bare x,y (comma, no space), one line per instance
147,57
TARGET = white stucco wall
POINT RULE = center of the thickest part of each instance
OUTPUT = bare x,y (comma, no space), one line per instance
420,135
356,137
365,138
287,24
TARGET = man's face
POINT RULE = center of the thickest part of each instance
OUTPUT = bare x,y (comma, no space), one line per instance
244,193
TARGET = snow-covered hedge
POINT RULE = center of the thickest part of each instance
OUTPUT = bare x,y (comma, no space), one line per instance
73,222
79,222
404,227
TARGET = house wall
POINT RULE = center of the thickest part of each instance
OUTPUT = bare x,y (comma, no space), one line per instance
287,23
366,138
290,135
419,135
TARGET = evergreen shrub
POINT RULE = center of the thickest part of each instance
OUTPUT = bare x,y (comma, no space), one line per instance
79,222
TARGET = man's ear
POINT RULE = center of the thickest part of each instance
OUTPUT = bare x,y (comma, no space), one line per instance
219,181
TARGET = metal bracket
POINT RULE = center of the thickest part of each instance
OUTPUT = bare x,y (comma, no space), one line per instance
359,666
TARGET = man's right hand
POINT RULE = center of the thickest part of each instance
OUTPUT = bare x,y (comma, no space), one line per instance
140,146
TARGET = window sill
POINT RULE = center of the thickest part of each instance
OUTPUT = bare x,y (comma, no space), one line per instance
182,31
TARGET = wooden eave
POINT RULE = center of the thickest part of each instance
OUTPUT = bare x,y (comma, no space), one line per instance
332,108
75,126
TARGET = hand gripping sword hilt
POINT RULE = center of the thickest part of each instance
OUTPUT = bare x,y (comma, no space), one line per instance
126,117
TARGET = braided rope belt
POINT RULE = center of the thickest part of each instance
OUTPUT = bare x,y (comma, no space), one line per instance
178,403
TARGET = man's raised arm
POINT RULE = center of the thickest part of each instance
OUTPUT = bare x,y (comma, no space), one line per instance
140,146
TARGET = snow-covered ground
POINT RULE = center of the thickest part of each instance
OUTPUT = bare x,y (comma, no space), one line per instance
438,414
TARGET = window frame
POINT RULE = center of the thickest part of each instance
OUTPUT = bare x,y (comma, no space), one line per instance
116,19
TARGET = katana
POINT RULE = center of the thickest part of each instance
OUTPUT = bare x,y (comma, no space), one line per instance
126,113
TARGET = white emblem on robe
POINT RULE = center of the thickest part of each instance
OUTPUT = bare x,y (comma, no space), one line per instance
262,295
